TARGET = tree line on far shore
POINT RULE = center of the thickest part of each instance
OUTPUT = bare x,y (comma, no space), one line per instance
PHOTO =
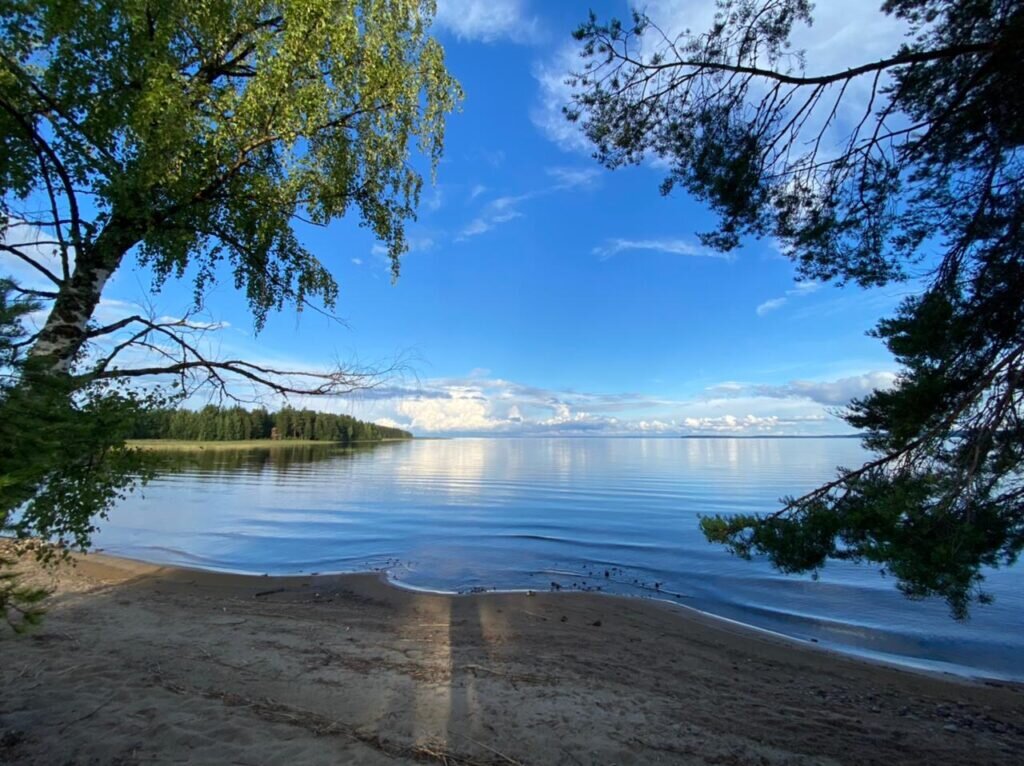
213,423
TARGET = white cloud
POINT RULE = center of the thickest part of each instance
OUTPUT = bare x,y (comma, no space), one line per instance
613,247
805,287
455,414
481,404
416,243
435,200
554,93
421,244
357,261
569,178
801,289
839,392
504,209
488,20
486,222
733,424
770,305
476,191
844,34
494,158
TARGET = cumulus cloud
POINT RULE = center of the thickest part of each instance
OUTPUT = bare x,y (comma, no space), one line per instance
488,20
481,404
613,247
450,414
731,424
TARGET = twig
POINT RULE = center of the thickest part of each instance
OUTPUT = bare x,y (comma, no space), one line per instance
498,753
270,592
90,714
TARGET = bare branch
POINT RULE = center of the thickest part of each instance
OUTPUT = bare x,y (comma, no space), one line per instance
701,66
183,357
33,263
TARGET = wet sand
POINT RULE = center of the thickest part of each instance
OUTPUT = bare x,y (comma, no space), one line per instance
139,664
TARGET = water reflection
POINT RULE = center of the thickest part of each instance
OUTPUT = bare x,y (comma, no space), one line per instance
454,469
221,461
524,513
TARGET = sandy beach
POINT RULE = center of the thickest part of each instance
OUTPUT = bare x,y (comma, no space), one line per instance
139,664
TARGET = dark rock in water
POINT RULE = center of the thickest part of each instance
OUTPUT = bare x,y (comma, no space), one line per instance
596,623
564,618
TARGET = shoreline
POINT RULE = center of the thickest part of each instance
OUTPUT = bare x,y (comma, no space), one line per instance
896,662
198,445
172,663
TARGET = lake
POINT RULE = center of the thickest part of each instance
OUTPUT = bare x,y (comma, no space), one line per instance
616,514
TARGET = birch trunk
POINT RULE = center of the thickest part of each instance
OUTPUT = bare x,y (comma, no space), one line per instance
64,332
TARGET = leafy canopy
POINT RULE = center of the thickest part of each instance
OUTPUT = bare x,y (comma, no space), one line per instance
197,129
864,175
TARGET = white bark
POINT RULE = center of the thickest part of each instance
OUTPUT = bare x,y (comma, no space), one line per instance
64,331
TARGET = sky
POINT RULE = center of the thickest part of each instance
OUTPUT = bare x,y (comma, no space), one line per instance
546,295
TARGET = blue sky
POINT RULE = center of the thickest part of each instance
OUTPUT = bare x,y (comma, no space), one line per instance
544,294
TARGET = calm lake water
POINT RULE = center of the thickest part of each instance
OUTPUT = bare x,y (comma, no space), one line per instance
465,514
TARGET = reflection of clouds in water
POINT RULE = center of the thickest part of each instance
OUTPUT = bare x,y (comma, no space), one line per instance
768,457
563,460
732,454
453,468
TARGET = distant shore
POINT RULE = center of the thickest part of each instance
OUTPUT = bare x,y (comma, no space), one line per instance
137,663
186,445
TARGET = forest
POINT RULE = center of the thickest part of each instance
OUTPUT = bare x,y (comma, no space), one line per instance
213,423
